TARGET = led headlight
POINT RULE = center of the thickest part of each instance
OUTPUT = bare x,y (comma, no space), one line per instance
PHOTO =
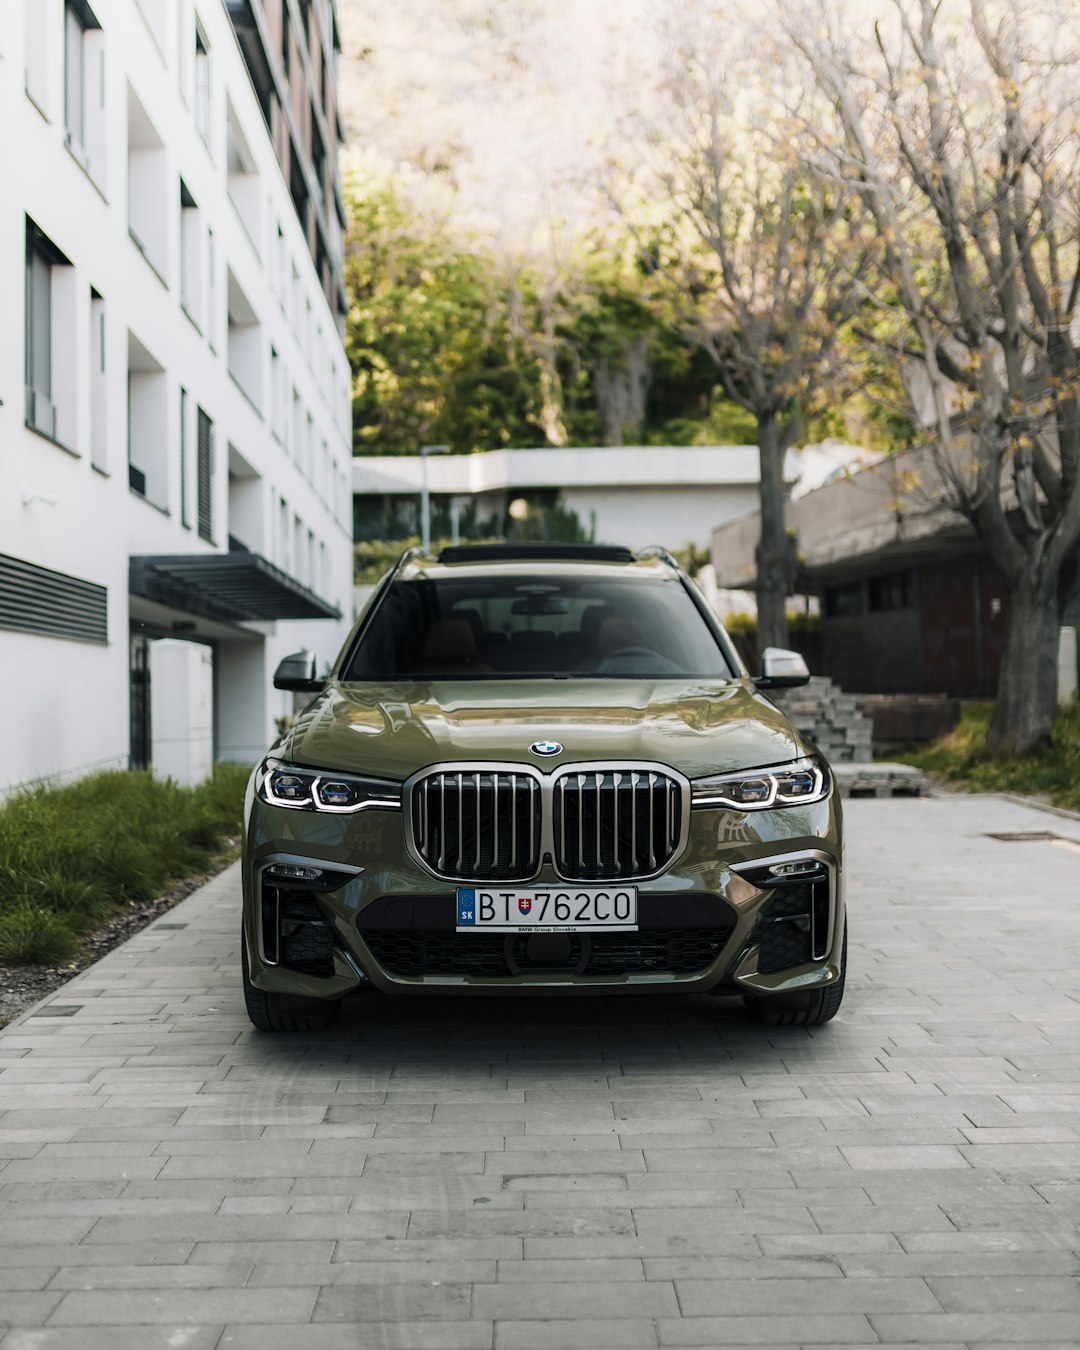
803,780
303,789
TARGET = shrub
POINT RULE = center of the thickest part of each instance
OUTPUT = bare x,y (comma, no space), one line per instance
35,937
1051,771
71,856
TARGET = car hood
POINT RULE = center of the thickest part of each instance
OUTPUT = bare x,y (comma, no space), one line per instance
392,730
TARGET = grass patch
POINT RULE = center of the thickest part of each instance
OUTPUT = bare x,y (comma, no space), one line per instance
73,856
1052,772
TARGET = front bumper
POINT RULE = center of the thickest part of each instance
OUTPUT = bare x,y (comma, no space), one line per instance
375,918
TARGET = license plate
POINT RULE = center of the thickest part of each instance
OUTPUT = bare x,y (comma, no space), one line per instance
575,909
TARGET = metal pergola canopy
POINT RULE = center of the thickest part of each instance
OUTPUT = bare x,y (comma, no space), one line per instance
233,587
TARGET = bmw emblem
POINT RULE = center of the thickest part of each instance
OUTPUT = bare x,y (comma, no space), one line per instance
546,748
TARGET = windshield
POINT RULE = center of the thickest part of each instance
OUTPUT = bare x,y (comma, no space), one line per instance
548,626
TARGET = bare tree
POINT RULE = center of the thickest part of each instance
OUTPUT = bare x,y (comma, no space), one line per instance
538,333
957,122
759,261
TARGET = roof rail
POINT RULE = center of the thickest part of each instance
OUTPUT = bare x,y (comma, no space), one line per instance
460,553
414,551
657,551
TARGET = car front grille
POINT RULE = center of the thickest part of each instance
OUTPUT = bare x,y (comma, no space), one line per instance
676,951
615,824
478,825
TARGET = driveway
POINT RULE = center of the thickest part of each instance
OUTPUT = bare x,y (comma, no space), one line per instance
457,1176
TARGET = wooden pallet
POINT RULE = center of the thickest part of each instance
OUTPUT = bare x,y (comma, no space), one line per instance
879,780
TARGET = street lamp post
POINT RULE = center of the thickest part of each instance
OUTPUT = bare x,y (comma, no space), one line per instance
425,496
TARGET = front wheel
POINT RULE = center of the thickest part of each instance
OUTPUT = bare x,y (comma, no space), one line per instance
285,1012
801,1010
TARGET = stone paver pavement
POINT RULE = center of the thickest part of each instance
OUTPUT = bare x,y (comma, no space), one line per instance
452,1175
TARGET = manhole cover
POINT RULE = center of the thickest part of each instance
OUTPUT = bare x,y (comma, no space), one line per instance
1024,836
59,1010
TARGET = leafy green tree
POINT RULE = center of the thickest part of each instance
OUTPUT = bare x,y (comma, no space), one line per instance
427,334
451,343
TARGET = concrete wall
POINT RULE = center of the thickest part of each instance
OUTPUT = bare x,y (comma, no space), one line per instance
669,516
890,504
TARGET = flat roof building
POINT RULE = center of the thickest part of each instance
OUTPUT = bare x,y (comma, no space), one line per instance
633,495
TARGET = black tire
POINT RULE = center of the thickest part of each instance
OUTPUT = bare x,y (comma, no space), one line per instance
285,1012
801,1010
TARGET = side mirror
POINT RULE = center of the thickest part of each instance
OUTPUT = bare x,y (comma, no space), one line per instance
782,669
298,672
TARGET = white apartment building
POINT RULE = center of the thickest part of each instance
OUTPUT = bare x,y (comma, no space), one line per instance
175,447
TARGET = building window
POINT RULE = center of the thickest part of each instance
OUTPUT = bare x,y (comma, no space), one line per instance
185,513
296,302
297,428
84,87
298,187
204,476
318,162
244,343
148,460
243,184
277,397
190,249
299,556
890,592
280,266
283,535
148,199
203,84
843,602
245,503
50,347
98,419
211,318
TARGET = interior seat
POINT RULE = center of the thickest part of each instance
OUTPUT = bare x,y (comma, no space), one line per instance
450,647
615,631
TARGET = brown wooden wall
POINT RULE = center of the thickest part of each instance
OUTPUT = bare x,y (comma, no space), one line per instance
945,639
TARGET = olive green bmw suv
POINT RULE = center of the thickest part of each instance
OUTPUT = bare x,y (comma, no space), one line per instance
541,769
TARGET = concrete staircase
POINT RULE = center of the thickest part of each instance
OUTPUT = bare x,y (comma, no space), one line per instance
831,718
